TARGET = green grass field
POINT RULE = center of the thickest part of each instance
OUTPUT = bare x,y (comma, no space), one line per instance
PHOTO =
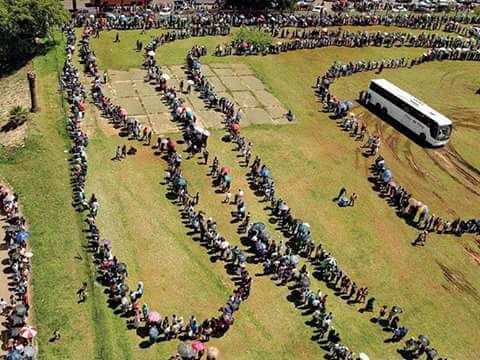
438,286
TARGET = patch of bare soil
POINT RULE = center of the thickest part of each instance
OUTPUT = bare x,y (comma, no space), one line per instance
14,93
458,282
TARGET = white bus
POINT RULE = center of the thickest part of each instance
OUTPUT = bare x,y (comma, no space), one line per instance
428,124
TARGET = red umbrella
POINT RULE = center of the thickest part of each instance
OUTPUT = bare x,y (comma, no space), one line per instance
82,106
225,170
123,112
28,332
235,128
153,316
198,346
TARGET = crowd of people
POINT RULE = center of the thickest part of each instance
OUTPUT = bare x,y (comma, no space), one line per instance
139,17
113,273
318,38
18,336
144,19
415,212
282,260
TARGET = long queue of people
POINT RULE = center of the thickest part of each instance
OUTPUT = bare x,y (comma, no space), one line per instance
114,273
232,121
415,212
195,26
361,38
311,39
136,17
19,335
281,260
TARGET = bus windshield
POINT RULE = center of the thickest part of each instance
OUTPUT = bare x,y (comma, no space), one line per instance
444,132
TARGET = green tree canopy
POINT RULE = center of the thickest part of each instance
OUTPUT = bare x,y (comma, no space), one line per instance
21,23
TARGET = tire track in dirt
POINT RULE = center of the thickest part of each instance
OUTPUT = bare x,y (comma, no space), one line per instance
389,141
473,254
459,282
447,171
467,125
357,159
451,151
411,160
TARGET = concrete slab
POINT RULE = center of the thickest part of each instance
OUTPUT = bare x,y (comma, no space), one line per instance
177,71
124,89
276,112
221,66
107,91
224,72
144,89
154,105
245,99
118,75
252,82
219,86
233,83
211,119
166,70
162,124
144,120
242,69
228,96
133,106
207,70
197,103
258,116
267,99
245,121
137,74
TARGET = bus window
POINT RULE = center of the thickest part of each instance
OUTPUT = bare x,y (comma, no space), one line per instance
434,131
444,132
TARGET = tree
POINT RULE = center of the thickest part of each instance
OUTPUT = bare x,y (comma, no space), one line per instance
22,24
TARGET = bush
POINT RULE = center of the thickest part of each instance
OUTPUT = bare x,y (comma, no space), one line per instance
18,116
254,37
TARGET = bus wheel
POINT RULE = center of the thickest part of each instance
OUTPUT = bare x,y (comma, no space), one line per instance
423,138
378,108
384,111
